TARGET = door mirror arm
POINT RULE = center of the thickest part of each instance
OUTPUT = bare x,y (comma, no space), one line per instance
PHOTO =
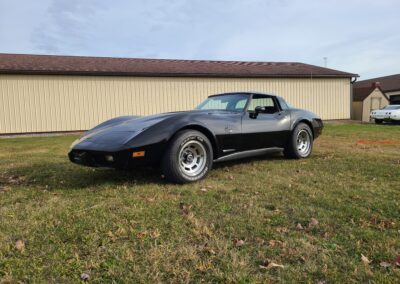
257,110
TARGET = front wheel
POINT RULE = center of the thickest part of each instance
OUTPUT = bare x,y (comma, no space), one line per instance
378,121
300,143
188,158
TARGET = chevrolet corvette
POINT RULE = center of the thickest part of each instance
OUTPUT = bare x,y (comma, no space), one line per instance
186,144
390,113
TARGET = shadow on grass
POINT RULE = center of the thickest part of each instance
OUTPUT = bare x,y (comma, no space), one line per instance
69,176
64,175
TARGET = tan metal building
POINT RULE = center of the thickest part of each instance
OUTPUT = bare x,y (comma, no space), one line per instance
367,99
41,93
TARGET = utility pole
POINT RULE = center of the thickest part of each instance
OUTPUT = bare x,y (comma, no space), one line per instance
325,61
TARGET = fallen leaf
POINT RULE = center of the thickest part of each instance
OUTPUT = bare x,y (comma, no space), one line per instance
85,276
204,189
185,208
385,264
321,282
313,222
238,243
365,259
16,179
397,261
231,177
299,227
142,234
20,245
269,264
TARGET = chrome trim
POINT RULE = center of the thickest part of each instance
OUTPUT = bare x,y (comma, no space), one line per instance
249,153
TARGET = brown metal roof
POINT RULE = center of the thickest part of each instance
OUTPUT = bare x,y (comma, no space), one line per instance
360,94
80,65
388,83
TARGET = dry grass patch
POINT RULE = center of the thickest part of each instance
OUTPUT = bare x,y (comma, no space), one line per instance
257,220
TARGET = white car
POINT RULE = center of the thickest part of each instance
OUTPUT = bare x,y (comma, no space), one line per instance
390,113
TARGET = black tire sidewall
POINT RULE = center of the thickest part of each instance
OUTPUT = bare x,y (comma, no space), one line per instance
298,128
175,172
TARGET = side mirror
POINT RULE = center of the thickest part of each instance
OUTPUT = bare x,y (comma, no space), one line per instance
257,110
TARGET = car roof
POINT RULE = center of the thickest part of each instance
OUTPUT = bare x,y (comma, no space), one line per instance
244,93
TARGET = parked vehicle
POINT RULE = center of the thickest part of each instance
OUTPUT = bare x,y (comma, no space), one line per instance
390,113
185,144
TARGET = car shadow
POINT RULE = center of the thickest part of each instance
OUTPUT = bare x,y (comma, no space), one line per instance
71,177
55,176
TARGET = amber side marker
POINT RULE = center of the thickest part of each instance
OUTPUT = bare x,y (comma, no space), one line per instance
138,154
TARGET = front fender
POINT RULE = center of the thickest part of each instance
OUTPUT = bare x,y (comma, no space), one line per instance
161,133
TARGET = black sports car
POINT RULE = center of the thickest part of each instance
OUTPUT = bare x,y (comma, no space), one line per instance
185,144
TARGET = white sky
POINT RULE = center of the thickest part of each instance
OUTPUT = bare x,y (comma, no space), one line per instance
357,36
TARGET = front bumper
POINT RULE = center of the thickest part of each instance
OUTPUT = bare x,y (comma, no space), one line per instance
99,158
318,125
122,159
386,117
381,117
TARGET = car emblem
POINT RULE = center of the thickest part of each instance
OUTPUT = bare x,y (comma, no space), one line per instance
228,129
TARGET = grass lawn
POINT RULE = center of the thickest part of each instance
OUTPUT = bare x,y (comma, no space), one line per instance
240,224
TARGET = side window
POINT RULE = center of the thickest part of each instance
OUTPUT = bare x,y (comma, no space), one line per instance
241,104
283,104
268,103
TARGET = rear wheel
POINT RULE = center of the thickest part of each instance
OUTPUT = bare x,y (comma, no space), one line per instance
300,143
378,121
188,158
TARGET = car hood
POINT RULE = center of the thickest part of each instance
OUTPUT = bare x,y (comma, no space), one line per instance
379,111
121,131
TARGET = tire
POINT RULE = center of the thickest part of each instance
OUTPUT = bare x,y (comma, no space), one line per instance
189,157
378,121
300,143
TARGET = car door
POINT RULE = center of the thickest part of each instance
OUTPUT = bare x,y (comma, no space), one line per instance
266,129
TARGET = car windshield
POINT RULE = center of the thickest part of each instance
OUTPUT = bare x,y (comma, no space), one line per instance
234,102
391,107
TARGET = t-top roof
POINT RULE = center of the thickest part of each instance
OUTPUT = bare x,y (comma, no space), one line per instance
81,65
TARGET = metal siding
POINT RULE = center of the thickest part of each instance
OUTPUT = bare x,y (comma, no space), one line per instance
43,103
366,108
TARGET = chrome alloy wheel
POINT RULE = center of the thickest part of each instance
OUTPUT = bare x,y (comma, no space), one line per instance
303,142
192,158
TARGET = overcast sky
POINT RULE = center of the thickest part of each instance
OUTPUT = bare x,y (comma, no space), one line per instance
359,36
